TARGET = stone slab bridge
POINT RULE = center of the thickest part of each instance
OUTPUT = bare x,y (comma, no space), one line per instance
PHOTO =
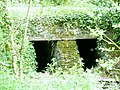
47,36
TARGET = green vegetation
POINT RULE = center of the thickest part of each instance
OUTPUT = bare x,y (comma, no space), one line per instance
67,18
16,57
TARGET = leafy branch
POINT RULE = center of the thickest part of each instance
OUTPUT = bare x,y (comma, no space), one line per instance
112,42
102,35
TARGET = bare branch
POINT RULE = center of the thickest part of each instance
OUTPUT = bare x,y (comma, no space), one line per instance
24,38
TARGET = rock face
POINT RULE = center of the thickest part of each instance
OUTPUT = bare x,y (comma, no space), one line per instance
87,50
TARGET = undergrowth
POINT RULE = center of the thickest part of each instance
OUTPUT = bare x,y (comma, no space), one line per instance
73,79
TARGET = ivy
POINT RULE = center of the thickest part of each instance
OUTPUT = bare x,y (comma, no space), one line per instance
103,18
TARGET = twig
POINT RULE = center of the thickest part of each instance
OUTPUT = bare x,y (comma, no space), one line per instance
14,56
112,41
3,64
109,50
24,39
107,41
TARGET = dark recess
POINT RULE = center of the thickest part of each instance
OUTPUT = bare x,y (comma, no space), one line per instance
87,50
45,51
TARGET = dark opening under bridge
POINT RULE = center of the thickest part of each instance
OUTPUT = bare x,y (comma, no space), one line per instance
46,49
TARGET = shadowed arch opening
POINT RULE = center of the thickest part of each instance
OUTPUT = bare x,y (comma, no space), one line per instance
89,53
46,50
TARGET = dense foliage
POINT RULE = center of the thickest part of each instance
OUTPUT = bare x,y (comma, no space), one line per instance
11,36
67,18
5,44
